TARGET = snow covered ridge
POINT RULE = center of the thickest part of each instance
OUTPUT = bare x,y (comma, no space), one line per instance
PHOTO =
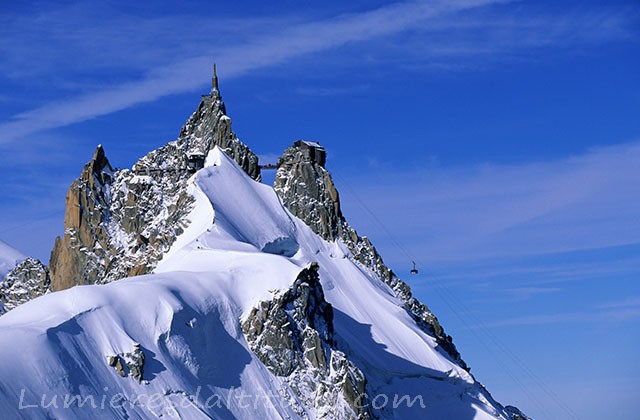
206,322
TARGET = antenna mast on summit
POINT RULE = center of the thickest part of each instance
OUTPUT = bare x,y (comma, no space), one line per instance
214,80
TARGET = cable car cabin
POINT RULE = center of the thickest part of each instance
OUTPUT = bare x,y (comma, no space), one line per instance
312,151
195,161
414,270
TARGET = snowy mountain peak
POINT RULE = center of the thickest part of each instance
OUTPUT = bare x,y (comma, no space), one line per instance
248,290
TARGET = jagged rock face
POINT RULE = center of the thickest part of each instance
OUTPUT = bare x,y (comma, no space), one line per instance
209,126
293,336
307,190
119,223
28,280
76,257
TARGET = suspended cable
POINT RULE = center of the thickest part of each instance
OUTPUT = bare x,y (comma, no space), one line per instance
501,346
384,228
517,361
514,377
453,303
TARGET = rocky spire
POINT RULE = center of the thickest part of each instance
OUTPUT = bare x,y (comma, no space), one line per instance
210,126
87,210
307,189
293,336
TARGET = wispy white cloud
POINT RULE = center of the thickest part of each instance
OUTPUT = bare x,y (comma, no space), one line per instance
480,211
479,39
179,59
46,43
632,301
264,50
533,26
542,272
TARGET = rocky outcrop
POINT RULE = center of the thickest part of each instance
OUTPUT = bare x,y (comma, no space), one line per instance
119,223
28,280
307,190
116,363
515,413
209,126
130,363
82,254
293,336
135,362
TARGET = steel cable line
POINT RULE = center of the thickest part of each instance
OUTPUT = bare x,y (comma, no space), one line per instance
453,302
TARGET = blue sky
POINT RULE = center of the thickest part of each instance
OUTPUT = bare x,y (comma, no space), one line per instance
496,143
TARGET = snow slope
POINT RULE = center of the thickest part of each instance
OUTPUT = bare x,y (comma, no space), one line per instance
241,247
9,258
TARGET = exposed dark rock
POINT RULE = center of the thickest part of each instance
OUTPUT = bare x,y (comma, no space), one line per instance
209,126
135,362
76,256
130,363
293,336
116,363
515,413
28,280
307,190
284,329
